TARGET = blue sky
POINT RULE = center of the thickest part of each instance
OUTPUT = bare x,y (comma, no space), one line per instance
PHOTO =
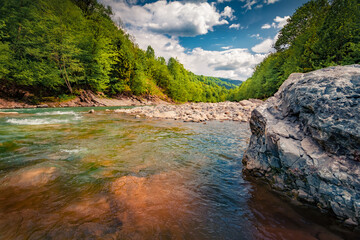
222,38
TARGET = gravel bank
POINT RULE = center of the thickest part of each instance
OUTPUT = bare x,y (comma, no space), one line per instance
198,112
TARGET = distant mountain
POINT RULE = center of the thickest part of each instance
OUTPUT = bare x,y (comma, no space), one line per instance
234,82
222,82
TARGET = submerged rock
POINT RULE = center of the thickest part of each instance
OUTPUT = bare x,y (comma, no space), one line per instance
306,140
152,204
30,177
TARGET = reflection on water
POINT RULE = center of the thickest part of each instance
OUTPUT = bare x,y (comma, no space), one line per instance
66,174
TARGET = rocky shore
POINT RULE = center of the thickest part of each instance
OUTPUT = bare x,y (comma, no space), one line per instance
86,99
306,140
198,112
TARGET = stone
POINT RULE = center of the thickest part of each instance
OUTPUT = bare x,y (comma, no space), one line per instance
308,134
42,106
350,222
92,111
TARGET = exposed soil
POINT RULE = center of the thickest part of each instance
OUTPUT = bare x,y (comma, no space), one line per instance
86,99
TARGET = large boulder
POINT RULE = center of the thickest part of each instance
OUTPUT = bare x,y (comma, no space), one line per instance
306,140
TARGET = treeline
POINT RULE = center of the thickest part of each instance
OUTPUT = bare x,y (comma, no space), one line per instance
320,34
58,47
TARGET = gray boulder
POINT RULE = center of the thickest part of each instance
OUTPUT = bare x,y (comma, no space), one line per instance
306,140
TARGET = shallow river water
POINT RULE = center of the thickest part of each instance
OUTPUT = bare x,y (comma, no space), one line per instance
67,174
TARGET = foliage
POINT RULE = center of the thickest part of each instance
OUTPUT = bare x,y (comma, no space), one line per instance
57,47
321,33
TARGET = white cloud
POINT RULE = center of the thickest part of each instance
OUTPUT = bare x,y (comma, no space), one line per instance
160,24
221,1
266,26
279,22
228,13
164,46
265,46
249,4
172,18
270,1
235,26
233,63
257,36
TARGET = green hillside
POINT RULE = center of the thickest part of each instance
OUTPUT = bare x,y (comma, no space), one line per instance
58,47
321,33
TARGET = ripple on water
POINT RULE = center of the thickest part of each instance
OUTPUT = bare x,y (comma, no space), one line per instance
57,113
113,177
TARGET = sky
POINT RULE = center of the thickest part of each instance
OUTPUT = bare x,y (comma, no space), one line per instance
219,38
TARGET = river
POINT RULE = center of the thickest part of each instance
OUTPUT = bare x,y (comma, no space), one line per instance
68,174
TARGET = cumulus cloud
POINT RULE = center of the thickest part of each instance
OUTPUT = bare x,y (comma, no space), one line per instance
235,26
266,26
172,18
265,46
235,63
221,1
232,63
279,22
228,13
161,23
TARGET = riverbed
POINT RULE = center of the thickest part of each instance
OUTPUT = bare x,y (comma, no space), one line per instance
68,174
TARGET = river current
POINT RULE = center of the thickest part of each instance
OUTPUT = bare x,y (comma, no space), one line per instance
68,174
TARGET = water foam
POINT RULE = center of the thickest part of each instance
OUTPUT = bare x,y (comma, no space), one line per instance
57,113
77,150
35,121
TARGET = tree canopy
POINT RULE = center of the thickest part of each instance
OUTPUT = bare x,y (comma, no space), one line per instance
57,47
321,33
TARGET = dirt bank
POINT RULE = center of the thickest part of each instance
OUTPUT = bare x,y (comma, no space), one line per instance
86,99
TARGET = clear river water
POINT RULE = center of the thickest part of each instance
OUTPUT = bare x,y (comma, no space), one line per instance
68,174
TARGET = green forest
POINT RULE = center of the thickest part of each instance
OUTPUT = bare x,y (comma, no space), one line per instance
58,47
320,34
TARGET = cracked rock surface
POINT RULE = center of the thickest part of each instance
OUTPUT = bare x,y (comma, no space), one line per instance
306,140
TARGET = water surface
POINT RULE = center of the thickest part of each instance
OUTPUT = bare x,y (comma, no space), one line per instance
67,174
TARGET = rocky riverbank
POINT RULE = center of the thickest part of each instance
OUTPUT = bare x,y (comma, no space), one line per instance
198,112
306,140
86,99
